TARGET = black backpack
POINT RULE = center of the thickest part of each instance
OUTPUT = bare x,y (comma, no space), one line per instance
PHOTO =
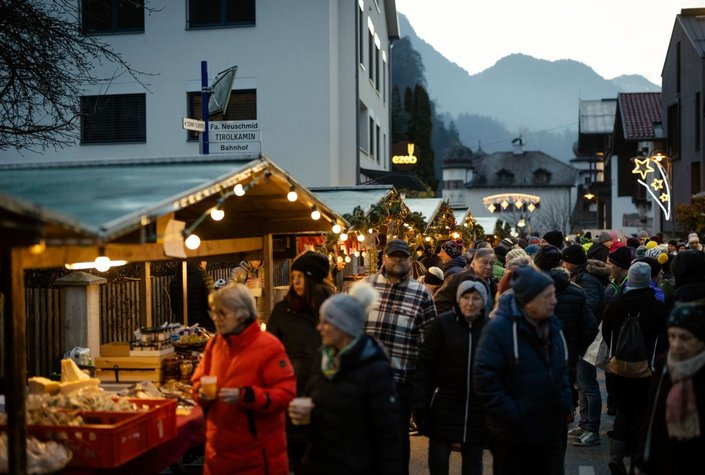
629,356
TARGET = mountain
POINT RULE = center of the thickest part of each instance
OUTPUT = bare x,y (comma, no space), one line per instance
536,98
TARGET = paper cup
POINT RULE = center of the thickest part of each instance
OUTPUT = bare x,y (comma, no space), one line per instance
304,406
209,386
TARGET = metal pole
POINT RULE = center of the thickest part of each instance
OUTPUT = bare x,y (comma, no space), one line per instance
204,106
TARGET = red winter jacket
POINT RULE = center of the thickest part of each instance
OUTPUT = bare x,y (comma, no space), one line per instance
247,437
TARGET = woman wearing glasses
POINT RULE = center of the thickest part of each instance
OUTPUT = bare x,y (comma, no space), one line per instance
255,382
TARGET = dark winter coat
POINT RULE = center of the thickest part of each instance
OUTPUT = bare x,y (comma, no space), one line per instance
652,319
457,264
355,420
296,329
579,323
689,273
431,260
593,277
525,389
443,390
198,286
445,297
667,455
599,252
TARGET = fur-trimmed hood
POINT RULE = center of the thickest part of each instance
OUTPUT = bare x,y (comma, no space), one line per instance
599,269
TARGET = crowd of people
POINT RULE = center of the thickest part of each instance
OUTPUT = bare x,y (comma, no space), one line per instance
486,349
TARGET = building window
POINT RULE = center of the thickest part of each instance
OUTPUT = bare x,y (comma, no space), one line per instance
112,16
377,60
542,176
361,34
505,177
241,106
698,132
219,13
678,67
371,146
674,131
371,56
119,118
384,78
378,143
695,178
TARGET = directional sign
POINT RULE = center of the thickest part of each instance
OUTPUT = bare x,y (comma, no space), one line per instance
194,124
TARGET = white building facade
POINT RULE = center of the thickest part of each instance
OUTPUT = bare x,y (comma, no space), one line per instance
314,76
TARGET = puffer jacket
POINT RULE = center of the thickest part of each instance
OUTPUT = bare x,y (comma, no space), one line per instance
593,277
247,437
457,264
355,420
688,269
443,388
526,391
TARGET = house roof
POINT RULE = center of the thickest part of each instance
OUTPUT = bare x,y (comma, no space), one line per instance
390,11
639,111
344,199
597,117
692,20
428,207
509,170
106,201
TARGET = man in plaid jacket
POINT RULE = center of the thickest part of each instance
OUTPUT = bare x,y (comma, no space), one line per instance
399,319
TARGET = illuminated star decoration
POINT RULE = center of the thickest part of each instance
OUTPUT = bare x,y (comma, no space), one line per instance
644,167
642,171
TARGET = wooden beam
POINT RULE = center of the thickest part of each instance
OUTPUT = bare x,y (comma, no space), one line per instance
150,252
268,262
145,283
184,291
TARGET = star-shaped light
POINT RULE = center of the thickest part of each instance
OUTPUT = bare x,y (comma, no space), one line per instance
642,167
663,197
657,184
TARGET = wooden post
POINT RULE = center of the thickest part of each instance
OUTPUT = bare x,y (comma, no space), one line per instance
184,291
268,286
81,296
146,294
15,348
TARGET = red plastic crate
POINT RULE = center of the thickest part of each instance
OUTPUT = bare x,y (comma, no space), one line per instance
106,440
161,416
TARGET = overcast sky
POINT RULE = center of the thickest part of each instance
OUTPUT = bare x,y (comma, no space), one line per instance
613,37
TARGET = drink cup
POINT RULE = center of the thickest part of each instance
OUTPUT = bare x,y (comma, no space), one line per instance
209,386
303,407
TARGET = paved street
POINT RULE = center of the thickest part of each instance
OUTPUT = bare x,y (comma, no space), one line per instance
578,461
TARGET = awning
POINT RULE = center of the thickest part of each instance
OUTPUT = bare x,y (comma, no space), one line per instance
487,224
461,215
400,180
428,207
344,199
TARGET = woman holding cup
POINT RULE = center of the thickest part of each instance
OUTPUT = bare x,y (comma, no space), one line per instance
353,415
244,383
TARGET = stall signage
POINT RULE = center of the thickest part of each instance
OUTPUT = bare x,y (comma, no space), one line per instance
403,156
241,137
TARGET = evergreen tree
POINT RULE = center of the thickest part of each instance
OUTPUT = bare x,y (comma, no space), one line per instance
400,119
420,131
407,67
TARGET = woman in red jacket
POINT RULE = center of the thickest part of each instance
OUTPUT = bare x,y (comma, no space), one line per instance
245,430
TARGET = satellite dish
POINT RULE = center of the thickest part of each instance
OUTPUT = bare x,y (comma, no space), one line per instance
220,91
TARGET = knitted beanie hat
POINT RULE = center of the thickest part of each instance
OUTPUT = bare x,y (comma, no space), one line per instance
433,276
452,249
518,252
691,316
313,264
555,238
547,257
604,237
348,312
622,257
527,283
470,286
639,276
574,254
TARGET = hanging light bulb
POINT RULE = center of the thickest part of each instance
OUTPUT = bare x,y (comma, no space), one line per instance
361,237
192,242
315,214
344,237
531,207
356,253
347,259
292,195
337,229
492,207
217,214
102,263
427,239
371,231
38,248
504,204
239,190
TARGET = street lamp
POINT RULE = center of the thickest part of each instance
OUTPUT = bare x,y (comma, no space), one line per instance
590,196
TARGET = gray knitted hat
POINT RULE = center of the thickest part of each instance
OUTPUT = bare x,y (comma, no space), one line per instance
471,286
348,312
639,276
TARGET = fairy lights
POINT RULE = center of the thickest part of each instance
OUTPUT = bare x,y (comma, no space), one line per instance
650,165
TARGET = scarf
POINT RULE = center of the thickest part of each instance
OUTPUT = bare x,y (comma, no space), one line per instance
682,415
330,359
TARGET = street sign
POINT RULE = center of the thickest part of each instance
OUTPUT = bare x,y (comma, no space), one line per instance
235,137
194,124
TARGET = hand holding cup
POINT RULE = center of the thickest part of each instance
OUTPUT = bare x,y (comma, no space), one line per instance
300,411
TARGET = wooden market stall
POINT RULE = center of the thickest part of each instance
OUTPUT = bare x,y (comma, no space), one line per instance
139,212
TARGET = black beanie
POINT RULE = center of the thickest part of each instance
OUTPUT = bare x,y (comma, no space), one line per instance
547,257
313,264
691,316
555,238
574,254
621,257
500,252
527,283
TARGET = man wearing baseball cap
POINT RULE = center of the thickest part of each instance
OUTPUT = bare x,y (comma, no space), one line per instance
399,318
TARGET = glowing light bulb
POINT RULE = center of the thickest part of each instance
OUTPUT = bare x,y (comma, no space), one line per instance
427,239
217,214
371,231
344,237
356,253
337,229
315,214
192,242
347,259
339,259
40,247
292,195
102,263
456,235
239,190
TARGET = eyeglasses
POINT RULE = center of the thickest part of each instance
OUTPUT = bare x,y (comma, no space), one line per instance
223,313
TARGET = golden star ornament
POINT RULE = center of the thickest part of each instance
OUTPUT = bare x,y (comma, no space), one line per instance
657,184
642,167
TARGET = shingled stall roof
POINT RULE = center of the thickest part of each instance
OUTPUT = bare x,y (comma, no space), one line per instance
428,207
638,113
530,169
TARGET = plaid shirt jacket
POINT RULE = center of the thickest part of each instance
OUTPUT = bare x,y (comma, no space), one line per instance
399,319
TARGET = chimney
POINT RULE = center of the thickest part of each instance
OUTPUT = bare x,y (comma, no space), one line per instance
518,145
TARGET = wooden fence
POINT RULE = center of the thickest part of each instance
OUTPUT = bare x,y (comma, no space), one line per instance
119,315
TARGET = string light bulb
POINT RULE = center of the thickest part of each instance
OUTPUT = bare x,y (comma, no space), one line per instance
217,214
239,190
347,259
337,229
315,214
192,241
292,195
344,237
361,237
